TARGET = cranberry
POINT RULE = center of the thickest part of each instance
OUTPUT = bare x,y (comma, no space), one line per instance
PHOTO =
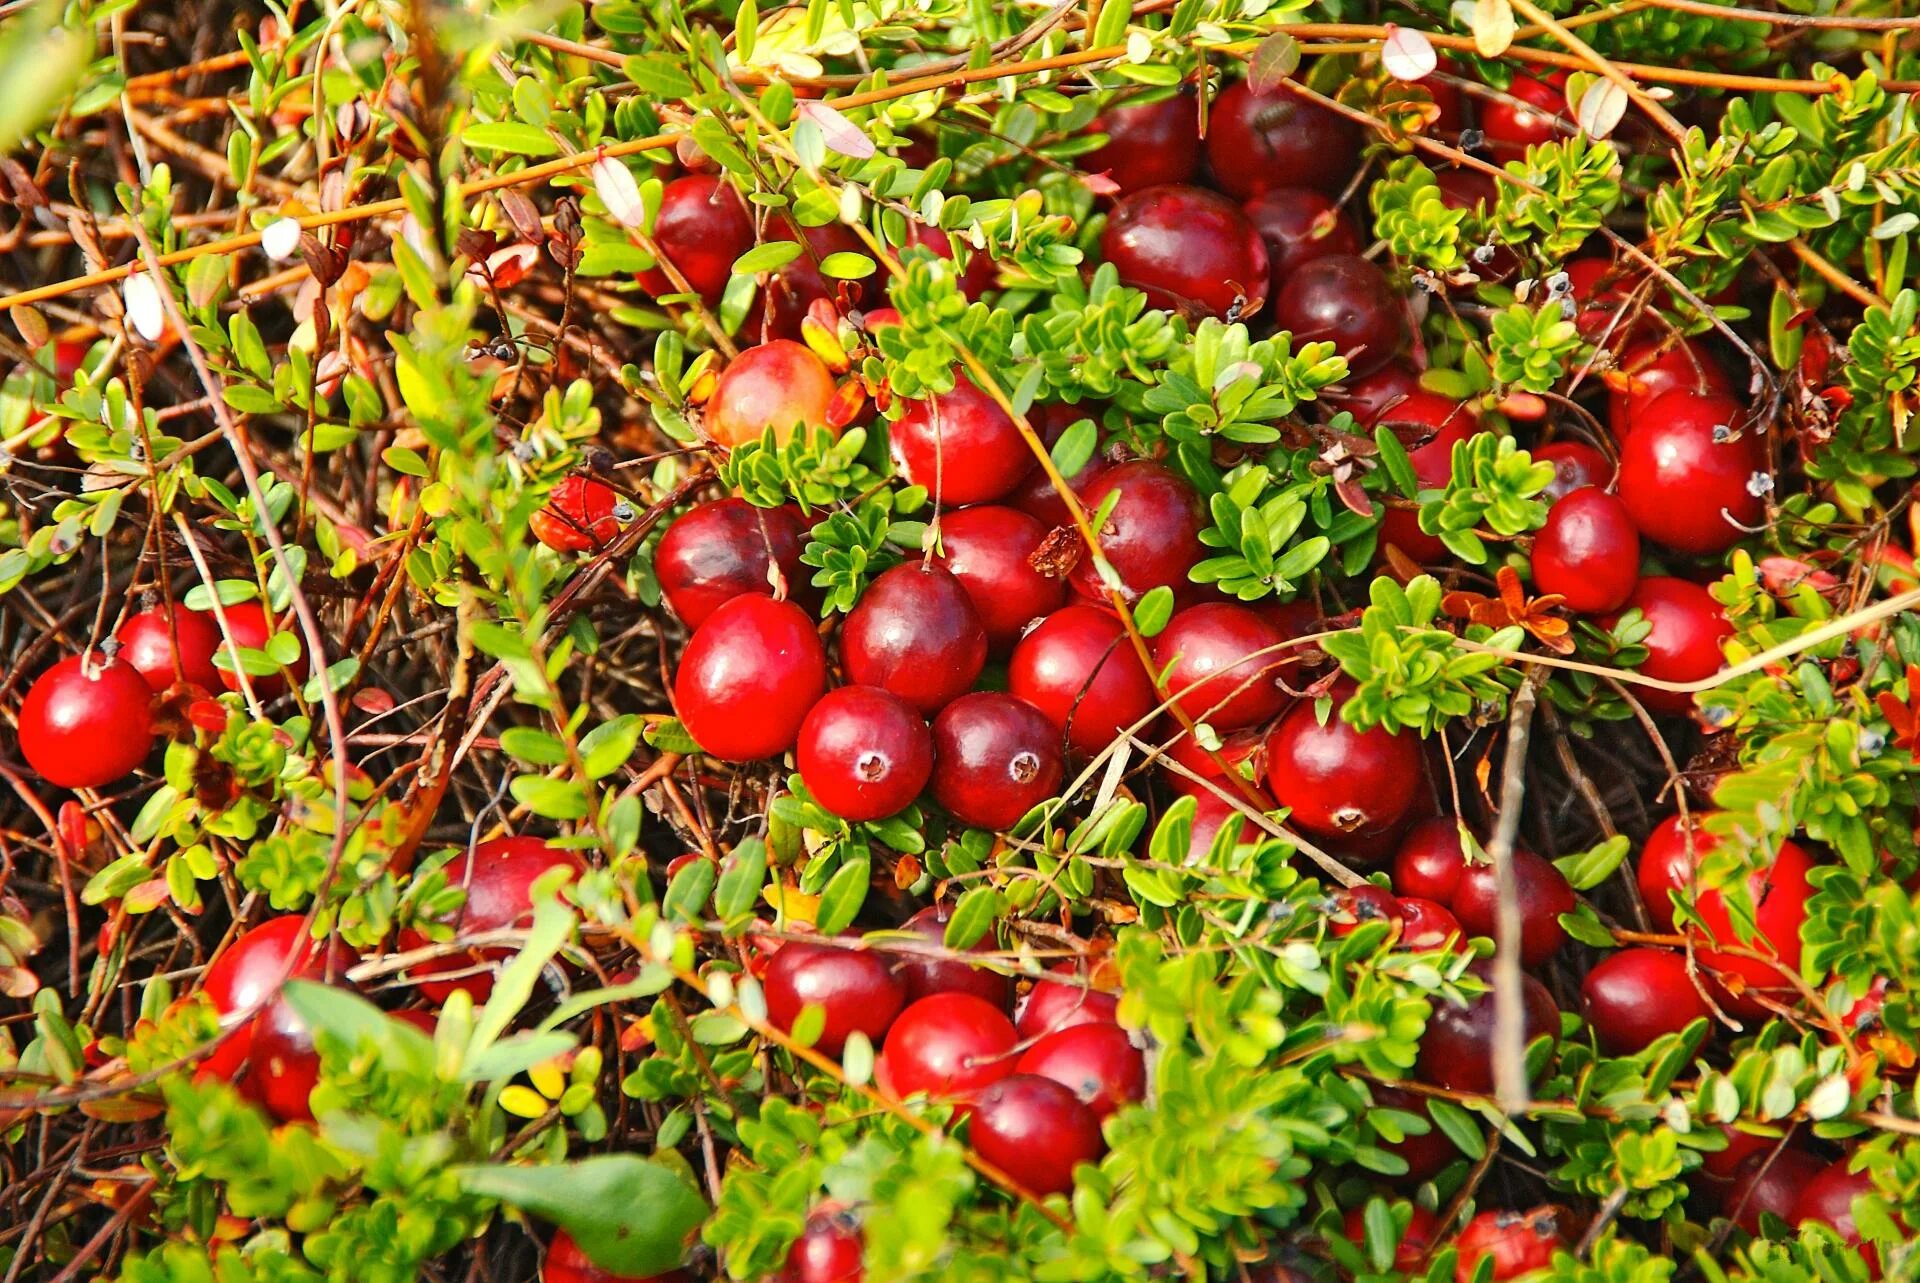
1770,1181
780,385
915,632
979,274
1217,662
1415,1241
1575,464
1190,250
1080,670
1261,140
748,678
1036,1131
1588,552
249,974
1097,1061
830,1250
925,974
1444,423
1337,780
579,514
1666,864
1518,1242
1152,537
147,642
854,988
1237,749
284,1067
1599,291
960,446
1779,893
1648,370
1212,813
1457,1049
1148,143
1352,907
797,286
724,549
1685,489
1684,646
567,1262
1724,1164
1638,995
1425,1153
996,757
1346,301
1300,224
498,877
865,754
1036,495
988,550
1430,860
248,627
949,1044
702,228
1427,924
1543,895
1055,1005
86,722
1368,396
1537,118
1828,1197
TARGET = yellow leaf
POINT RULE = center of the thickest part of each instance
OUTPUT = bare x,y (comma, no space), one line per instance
548,1080
523,1102
1493,27
792,904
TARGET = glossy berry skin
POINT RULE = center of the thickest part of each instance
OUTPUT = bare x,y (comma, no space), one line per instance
1148,144
1212,666
830,1250
248,627
1725,1164
1543,894
1588,552
1666,864
1647,370
925,974
791,290
1511,128
960,446
1637,995
147,644
498,877
1443,423
702,227
1152,537
996,757
1770,1182
1518,1242
1036,1131
987,550
1828,1197
1080,670
1684,646
1430,859
1779,893
1337,780
949,1045
249,973
579,515
1425,1154
567,1262
86,722
915,632
1368,396
1098,1062
1415,1241
1300,224
283,1065
1036,495
865,754
724,549
748,678
979,275
1054,1005
1260,140
1191,250
1456,1052
780,385
1680,485
1575,465
1346,301
855,989
1428,924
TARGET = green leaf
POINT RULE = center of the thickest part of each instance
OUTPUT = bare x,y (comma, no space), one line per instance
550,799
973,917
742,875
658,76
553,922
609,746
1154,610
687,893
530,744
766,258
510,136
1457,1125
630,1215
842,897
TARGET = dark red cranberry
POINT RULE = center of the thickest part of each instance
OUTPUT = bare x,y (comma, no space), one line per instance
1415,1241
1337,780
988,549
1575,465
1035,1130
1518,1242
1191,250
830,1250
1684,646
1425,1154
1300,224
995,758
722,550
702,228
147,643
1770,1181
283,1066
1543,894
1036,496
1352,907
1366,397
1260,140
925,974
780,385
1637,995
949,1044
248,627
1648,370
1828,1197
854,988
1148,143
1588,552
1054,1005
1428,924
1079,668
1217,662
1456,1052
1152,537
250,973
1686,489
1537,118
1346,301
915,632
580,514
1097,1061
1779,893
1443,423
976,278
791,290
748,678
1600,292
1212,813
86,722
1430,859
567,1262
1724,1164
865,754
960,446
1235,757
498,877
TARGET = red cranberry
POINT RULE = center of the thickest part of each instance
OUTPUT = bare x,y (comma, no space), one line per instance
1457,1049
830,1250
1444,423
86,722
702,228
248,627
1648,370
949,1044
1152,537
1097,1061
1080,670
1543,895
1430,860
249,974
1346,301
915,632
1511,128
1600,291
790,291
1415,1241
1148,143
1036,1131
1684,646
1518,1242
1368,396
1300,224
724,549
1575,465
988,549
147,643
1724,1164
1237,749
579,514
865,754
1828,1197
1666,865
498,877
1427,924
1352,907
1425,1154
996,757
979,275
1212,813
855,989
748,678
1054,1005
1261,140
567,1262
1036,495
1779,893
960,446
780,385
925,974
1769,1181
284,1067
1637,995
1190,250
1588,552
1337,780
1685,489
1218,663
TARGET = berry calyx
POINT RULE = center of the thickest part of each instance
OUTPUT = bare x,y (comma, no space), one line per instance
996,757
